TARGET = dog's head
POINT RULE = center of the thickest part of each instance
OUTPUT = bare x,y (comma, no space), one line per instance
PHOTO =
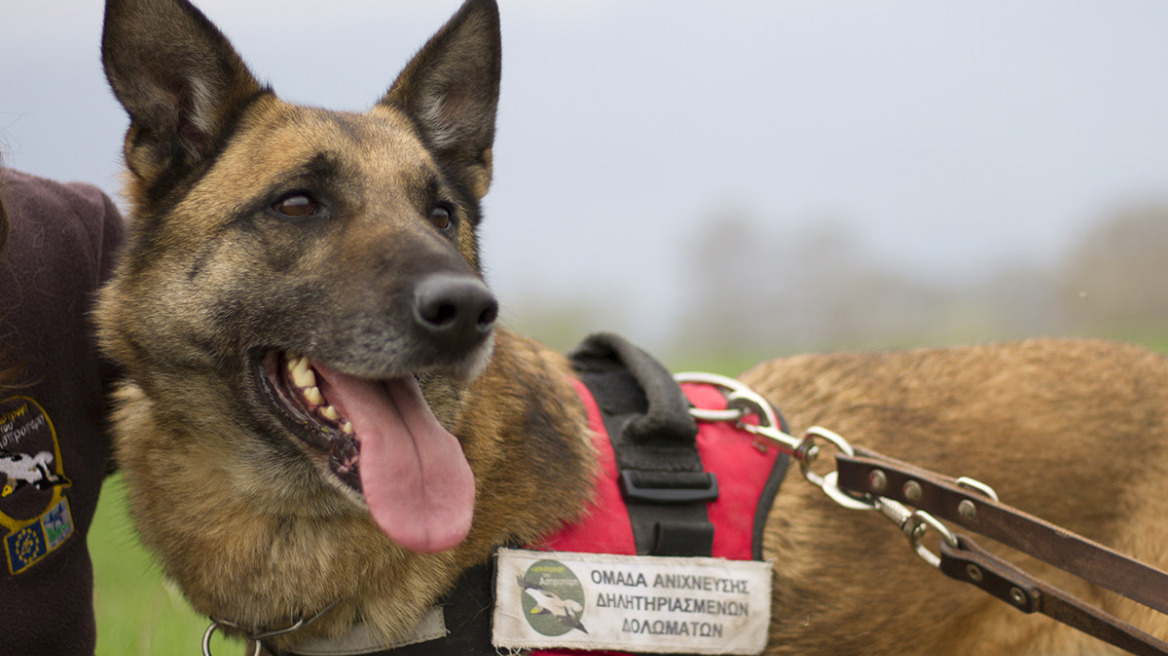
317,270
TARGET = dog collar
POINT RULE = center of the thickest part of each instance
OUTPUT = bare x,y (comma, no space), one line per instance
257,637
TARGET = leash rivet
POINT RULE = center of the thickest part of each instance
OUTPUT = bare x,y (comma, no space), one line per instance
967,509
912,491
878,480
974,572
1018,596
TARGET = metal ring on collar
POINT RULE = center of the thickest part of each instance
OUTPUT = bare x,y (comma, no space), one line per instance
211,631
258,638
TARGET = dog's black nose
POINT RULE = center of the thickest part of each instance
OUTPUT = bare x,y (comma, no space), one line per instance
458,310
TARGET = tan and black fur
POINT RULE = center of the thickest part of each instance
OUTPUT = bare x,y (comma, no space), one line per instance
261,227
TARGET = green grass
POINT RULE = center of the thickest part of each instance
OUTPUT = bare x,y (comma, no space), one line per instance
137,613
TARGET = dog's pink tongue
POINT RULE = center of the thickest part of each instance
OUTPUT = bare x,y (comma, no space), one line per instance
415,478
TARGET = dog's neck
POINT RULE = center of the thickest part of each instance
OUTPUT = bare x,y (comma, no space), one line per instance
524,432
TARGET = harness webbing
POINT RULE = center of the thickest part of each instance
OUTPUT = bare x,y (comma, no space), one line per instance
662,480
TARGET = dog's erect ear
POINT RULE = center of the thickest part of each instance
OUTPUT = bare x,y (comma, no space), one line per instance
451,90
179,79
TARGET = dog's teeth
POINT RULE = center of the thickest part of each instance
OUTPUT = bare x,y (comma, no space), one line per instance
304,378
347,428
330,413
313,395
302,374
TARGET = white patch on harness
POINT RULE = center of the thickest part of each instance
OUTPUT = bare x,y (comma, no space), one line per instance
549,599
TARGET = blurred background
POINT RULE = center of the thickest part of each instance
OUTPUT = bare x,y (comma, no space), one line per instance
725,181
743,178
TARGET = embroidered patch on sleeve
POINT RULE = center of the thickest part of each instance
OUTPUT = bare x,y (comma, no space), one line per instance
34,512
549,599
29,544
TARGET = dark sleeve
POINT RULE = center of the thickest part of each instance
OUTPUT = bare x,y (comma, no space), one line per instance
105,230
113,232
103,222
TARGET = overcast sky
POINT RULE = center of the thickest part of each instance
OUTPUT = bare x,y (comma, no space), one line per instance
947,136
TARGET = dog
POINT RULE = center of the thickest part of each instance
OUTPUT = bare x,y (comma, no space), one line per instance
321,417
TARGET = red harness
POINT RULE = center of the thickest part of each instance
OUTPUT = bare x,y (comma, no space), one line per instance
743,466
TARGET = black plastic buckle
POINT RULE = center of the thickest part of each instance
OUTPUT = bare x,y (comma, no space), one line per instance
668,495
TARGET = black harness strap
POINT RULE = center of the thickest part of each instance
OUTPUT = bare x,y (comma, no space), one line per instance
647,418
467,610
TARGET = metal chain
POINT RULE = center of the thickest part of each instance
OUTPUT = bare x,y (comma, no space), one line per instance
258,638
742,402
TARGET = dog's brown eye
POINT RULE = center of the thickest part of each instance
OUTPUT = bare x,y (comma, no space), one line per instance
296,206
440,217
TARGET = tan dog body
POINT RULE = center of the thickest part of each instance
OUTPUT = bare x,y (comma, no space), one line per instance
264,231
1070,430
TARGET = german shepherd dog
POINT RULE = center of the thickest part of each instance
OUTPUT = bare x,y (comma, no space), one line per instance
320,411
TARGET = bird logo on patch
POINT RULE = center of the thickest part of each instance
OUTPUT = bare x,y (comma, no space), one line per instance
565,611
552,598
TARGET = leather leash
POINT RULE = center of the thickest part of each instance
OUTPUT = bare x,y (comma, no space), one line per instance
869,474
971,564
